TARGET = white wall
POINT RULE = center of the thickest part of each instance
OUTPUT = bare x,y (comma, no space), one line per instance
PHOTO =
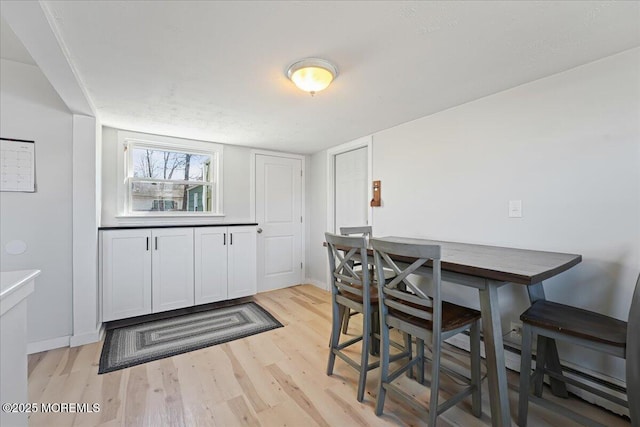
567,145
316,254
31,109
237,184
236,181
86,146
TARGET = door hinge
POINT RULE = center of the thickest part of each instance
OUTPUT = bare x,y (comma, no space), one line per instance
301,220
301,266
300,172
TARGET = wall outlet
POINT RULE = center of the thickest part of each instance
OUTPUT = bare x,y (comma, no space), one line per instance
516,329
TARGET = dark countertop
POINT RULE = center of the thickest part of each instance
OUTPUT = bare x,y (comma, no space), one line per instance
218,224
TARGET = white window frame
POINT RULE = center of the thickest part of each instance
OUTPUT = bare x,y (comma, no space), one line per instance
125,171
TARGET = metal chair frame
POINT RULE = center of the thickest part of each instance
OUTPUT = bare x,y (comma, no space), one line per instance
364,231
344,280
393,295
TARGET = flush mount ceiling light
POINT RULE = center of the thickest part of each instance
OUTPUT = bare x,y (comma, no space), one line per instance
312,74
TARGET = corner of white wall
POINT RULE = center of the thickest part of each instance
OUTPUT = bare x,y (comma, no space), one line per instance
316,283
86,324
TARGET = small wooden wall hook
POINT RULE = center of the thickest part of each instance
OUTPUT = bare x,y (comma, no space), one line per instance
377,197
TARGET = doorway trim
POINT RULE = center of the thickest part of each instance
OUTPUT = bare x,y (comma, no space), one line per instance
366,141
303,207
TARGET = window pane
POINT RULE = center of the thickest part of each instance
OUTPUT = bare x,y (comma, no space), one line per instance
172,165
167,197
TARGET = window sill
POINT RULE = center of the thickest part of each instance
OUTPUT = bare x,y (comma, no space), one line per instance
168,219
169,215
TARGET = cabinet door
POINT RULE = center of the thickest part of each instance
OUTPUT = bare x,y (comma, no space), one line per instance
172,270
126,273
210,264
241,254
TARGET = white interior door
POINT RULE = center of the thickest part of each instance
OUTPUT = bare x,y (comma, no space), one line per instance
351,192
279,215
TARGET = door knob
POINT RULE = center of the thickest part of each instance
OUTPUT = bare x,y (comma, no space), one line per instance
259,230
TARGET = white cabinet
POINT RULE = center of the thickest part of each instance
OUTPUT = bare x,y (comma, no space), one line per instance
241,262
126,273
172,269
210,264
146,271
225,263
15,287
153,270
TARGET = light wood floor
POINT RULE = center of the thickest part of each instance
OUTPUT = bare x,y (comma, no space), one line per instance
276,378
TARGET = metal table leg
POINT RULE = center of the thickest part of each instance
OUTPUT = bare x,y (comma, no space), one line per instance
551,358
494,349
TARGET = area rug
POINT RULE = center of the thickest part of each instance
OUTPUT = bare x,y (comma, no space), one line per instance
137,344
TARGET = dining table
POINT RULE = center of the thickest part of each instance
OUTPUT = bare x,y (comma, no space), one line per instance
488,268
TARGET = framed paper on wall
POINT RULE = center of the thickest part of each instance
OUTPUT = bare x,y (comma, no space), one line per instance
17,165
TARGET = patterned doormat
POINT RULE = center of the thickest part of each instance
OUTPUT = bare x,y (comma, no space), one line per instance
134,345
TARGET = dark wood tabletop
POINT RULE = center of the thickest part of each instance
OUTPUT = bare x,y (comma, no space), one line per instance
522,266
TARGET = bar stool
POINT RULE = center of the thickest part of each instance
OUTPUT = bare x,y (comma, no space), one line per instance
365,231
351,290
588,329
429,319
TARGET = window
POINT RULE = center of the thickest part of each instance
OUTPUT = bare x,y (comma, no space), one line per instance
164,178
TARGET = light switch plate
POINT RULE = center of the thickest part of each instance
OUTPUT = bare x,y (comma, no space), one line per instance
515,208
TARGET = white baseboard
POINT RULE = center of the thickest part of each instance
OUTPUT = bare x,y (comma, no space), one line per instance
87,338
316,283
512,362
511,359
38,346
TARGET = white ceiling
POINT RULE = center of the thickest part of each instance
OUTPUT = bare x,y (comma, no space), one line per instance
11,47
216,70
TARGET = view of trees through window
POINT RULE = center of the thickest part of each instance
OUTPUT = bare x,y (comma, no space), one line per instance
170,181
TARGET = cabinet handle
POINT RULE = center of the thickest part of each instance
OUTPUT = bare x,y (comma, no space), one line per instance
224,239
147,243
231,238
156,243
